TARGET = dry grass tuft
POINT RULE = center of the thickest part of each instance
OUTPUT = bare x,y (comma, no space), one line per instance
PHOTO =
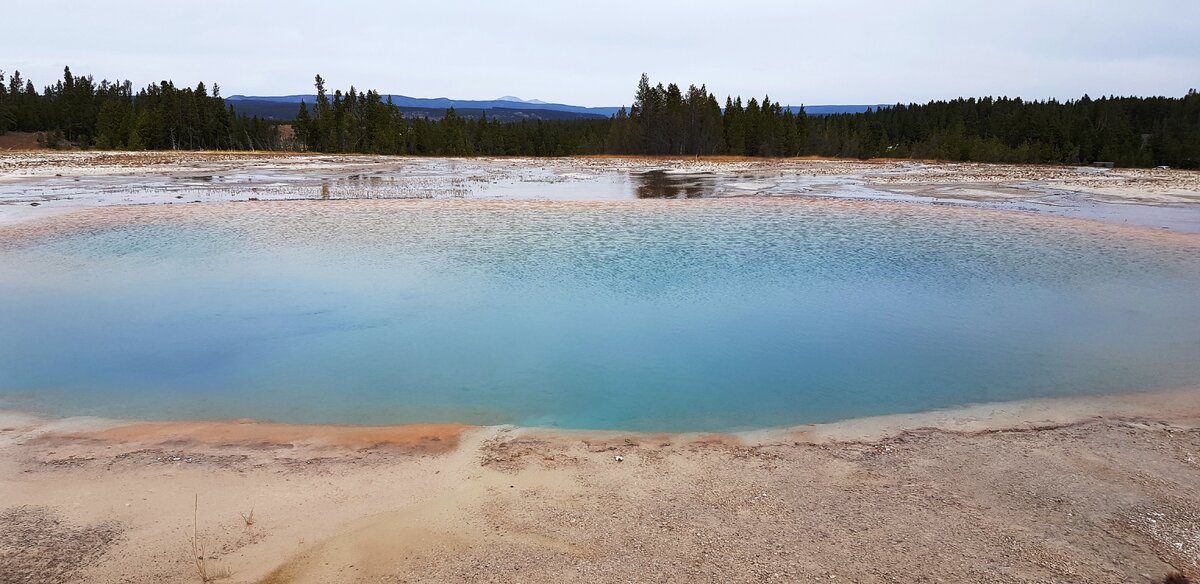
248,518
205,572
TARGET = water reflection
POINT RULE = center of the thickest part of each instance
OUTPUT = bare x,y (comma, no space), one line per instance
658,184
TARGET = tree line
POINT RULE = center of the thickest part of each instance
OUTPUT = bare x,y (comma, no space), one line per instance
662,120
79,111
666,120
1128,131
360,122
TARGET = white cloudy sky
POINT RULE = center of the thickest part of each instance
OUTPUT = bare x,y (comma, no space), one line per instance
850,51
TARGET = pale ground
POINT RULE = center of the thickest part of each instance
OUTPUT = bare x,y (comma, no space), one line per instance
40,183
1066,490
1058,490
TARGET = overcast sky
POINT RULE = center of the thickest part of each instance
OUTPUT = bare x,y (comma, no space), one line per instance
830,52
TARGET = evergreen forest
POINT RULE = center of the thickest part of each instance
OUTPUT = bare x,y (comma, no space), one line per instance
77,111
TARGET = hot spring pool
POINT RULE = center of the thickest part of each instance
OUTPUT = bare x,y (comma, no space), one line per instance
710,314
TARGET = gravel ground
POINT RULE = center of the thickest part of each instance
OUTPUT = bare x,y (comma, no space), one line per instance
963,496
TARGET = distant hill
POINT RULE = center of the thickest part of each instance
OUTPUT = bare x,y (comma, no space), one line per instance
821,110
507,108
441,103
519,100
285,111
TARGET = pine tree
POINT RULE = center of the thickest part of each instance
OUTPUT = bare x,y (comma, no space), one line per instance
7,119
735,127
302,126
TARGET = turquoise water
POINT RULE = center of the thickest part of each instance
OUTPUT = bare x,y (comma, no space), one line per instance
643,315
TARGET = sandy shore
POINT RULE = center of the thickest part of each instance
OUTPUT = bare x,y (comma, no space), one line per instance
1099,489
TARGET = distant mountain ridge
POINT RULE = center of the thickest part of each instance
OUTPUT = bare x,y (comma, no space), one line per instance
404,101
507,102
283,111
823,110
519,100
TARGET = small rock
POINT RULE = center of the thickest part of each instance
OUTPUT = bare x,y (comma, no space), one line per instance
618,458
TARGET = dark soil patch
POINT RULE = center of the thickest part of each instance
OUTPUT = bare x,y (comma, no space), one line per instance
36,546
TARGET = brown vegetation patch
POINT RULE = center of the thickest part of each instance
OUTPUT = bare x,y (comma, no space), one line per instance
19,141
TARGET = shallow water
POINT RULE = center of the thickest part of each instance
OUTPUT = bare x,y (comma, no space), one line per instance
648,315
92,179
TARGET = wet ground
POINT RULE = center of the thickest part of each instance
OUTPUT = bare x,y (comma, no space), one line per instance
1157,198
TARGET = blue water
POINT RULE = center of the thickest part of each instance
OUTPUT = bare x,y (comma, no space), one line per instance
643,315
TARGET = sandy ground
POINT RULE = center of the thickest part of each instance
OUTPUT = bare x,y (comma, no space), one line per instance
1089,490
